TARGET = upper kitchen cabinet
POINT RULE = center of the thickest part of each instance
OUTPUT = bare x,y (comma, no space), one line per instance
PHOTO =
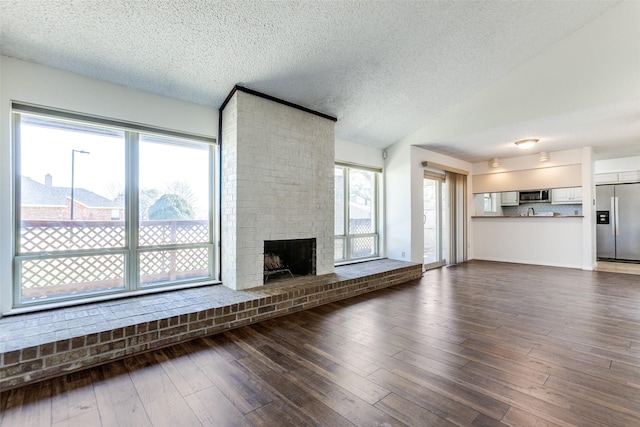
617,178
566,196
509,198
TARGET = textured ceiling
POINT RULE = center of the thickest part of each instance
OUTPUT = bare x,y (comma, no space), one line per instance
385,69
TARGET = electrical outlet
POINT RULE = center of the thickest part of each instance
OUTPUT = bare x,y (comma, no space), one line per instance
402,254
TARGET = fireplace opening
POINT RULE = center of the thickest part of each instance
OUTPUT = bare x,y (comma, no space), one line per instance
289,258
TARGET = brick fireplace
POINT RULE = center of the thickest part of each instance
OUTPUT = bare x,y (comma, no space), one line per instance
277,183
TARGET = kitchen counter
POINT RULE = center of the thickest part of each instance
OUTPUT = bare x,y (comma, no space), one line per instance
529,216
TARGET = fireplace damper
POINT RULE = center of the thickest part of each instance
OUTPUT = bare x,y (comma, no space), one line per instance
296,257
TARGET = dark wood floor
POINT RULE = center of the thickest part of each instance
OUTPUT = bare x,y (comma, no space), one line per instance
485,344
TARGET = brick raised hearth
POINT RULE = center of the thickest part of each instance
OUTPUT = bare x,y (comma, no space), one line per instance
43,345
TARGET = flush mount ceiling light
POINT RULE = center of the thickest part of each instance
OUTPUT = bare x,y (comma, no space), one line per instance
525,144
544,156
494,163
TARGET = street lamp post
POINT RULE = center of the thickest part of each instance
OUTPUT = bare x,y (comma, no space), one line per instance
73,163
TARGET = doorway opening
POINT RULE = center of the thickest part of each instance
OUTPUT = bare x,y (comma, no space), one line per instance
434,220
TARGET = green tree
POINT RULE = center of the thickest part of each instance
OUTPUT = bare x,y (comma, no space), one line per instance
181,189
170,207
148,196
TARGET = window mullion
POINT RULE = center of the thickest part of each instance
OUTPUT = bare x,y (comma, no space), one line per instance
347,232
132,216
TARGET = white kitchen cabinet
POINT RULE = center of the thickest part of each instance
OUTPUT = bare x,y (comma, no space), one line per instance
566,196
606,178
615,178
630,176
509,198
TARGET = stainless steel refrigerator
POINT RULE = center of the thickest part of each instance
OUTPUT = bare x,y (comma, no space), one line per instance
618,222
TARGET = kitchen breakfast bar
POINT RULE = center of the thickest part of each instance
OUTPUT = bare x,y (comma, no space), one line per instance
554,240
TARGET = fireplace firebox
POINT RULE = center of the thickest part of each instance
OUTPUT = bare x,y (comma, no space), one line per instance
289,258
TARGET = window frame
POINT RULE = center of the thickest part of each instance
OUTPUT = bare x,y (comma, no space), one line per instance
132,250
347,236
492,199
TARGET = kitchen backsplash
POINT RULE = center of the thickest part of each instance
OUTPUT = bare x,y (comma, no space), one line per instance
564,210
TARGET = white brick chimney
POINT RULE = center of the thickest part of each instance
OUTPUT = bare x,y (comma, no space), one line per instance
277,184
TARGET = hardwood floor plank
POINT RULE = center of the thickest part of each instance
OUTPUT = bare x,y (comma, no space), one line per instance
356,384
518,418
276,380
73,395
178,366
212,408
279,413
597,396
342,376
291,343
84,419
340,400
517,365
503,376
601,380
117,397
459,391
410,413
246,393
289,391
484,421
27,406
426,398
162,401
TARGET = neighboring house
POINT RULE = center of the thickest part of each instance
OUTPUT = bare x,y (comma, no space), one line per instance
46,202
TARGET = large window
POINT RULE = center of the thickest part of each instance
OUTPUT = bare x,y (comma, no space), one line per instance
104,208
356,208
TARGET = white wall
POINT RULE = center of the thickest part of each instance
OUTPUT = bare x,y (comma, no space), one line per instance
35,84
397,189
349,152
27,82
588,210
618,165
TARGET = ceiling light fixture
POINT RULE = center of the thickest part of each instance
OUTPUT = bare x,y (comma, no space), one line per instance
544,156
525,144
494,163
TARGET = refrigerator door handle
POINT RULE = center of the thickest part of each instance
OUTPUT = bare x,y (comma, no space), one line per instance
612,219
617,228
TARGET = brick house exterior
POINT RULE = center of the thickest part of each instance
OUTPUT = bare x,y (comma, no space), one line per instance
46,202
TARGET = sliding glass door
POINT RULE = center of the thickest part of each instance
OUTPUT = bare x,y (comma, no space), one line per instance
435,230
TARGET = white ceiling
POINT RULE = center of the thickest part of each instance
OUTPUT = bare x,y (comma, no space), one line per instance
461,78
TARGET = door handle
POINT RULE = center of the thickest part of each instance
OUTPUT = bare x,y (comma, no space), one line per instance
612,216
616,213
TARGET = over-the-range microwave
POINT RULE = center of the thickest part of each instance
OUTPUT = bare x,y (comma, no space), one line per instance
534,196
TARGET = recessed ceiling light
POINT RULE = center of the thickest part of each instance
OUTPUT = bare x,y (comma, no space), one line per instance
525,144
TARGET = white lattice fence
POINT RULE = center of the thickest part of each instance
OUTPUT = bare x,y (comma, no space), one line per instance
62,273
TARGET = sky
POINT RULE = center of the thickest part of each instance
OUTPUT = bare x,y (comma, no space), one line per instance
48,150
